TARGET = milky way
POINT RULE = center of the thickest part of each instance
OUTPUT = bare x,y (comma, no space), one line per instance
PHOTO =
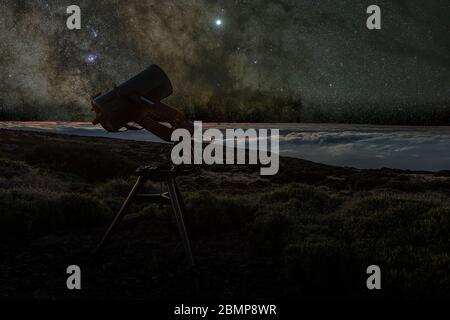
320,51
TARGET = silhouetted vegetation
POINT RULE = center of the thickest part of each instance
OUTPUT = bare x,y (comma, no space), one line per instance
309,232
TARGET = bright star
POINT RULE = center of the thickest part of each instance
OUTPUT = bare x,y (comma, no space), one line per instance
90,58
219,22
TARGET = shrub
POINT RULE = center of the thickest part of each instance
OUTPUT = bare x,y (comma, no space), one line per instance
26,212
383,220
14,174
113,192
301,198
81,211
268,233
91,163
319,266
435,228
10,168
15,214
210,214
161,221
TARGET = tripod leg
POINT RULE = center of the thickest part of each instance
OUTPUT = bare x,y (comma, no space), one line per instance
178,210
119,216
182,205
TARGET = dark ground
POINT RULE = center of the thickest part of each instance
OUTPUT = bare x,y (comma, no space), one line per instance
309,232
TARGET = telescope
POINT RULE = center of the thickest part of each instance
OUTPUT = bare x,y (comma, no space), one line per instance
138,100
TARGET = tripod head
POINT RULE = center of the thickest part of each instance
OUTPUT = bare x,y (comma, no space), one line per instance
138,100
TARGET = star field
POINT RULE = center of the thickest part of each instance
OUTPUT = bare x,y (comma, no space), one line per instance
321,53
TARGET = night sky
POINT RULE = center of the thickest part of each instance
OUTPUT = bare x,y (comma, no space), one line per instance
320,51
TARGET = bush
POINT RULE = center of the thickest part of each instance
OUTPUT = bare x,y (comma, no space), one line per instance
269,232
91,163
113,192
10,168
80,211
15,174
408,234
320,266
15,214
210,214
297,198
383,220
27,212
435,228
161,221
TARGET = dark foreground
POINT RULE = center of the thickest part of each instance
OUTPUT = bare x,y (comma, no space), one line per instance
309,232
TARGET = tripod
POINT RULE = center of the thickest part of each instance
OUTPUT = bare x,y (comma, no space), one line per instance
165,172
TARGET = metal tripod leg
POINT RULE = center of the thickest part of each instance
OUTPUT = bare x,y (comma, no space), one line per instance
182,205
177,205
119,216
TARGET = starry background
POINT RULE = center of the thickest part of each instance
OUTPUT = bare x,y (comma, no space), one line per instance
223,55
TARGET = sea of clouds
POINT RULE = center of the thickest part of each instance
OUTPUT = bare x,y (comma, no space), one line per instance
366,147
